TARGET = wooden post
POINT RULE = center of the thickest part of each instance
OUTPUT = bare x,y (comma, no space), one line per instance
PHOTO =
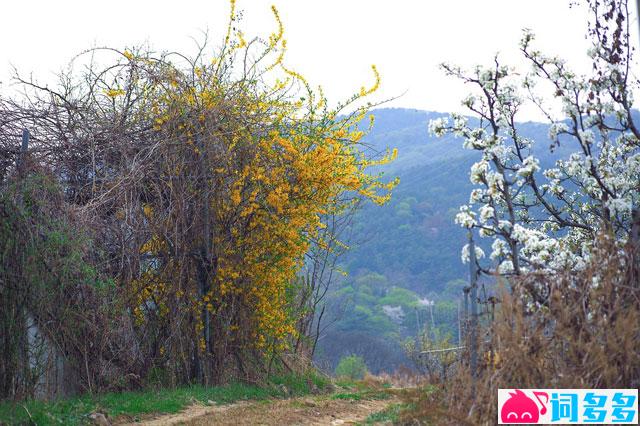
473,284
459,325
204,264
634,242
465,314
22,159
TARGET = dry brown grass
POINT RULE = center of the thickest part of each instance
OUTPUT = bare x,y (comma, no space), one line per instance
404,377
585,335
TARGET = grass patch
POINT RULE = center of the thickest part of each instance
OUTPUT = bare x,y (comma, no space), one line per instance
351,395
350,384
297,386
75,411
361,390
367,394
389,414
425,405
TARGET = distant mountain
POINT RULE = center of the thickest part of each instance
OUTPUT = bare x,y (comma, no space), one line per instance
412,243
413,240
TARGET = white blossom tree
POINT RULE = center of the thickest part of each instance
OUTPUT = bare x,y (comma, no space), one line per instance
547,218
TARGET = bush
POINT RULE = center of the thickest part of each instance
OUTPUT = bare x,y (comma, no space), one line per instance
585,336
352,367
202,185
53,298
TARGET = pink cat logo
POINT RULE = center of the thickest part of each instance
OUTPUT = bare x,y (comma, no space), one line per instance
519,408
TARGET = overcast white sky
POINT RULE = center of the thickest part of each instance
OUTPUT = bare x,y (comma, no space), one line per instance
331,42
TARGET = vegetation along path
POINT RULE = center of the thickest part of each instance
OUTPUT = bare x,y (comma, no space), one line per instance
305,400
337,409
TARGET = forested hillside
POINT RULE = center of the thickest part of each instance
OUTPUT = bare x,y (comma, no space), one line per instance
408,252
413,241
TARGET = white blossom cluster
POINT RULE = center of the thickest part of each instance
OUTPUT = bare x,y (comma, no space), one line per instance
546,218
395,313
438,127
530,165
466,253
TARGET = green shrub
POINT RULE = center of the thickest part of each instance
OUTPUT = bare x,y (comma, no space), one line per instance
352,367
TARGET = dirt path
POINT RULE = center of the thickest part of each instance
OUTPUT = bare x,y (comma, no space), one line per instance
319,410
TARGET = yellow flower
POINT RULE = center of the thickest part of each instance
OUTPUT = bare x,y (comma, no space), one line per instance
114,93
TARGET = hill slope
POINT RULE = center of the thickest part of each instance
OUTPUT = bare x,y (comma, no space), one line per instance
408,251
